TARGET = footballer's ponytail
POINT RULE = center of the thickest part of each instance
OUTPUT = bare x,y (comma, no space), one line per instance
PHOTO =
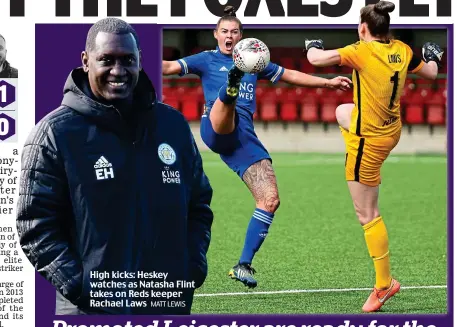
230,15
377,18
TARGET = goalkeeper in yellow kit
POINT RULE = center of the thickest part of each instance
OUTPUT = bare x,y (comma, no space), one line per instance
371,126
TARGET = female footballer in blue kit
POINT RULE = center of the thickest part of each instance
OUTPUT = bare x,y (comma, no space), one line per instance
227,126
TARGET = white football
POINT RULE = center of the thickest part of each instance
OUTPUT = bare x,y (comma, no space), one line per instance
251,55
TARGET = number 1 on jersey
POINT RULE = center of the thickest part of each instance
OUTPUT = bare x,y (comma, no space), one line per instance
394,79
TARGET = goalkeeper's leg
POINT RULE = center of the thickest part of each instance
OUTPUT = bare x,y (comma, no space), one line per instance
364,159
343,115
366,205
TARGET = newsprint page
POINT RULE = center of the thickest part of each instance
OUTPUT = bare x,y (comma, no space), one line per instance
227,163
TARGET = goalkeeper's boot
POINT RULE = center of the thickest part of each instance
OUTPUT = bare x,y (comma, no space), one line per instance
377,297
244,273
233,81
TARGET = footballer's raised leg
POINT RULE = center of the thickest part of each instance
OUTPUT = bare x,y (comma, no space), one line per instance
261,181
222,115
343,115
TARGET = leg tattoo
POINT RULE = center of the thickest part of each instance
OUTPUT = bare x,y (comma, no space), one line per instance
261,181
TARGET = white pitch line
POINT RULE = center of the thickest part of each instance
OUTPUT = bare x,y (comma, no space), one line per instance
324,290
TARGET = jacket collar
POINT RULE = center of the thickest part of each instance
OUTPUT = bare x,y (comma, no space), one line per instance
77,96
6,70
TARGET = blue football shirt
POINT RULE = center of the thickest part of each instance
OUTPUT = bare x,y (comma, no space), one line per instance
212,67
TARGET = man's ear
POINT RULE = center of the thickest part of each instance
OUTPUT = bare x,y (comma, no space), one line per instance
85,61
363,29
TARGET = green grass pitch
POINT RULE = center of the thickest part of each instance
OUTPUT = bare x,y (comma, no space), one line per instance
315,247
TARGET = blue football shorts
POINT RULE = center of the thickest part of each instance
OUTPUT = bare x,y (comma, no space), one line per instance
239,149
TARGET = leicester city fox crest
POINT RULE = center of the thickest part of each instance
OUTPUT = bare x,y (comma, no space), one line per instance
168,157
167,154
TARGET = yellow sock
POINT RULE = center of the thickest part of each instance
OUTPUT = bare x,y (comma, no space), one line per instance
378,247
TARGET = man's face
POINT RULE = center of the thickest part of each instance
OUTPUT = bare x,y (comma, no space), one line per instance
113,66
2,51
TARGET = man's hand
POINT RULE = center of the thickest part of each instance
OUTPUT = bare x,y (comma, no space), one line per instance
432,52
319,44
340,82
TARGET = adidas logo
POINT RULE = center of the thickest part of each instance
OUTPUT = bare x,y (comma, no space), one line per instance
103,169
102,163
223,69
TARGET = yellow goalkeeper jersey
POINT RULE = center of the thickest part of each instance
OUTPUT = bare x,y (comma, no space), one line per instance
380,71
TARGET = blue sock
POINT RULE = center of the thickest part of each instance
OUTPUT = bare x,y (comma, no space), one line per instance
256,234
224,97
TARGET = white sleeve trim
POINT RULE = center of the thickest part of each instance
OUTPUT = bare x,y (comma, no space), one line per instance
275,76
186,69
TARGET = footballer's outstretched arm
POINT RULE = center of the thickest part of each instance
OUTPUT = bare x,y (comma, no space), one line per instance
319,57
323,58
429,70
432,55
301,79
170,67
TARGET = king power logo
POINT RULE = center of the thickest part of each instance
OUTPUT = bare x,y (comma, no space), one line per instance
171,176
246,91
168,156
103,169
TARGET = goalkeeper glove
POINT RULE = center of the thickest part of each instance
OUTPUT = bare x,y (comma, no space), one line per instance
432,52
319,44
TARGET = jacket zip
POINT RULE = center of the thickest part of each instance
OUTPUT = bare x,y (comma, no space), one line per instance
132,145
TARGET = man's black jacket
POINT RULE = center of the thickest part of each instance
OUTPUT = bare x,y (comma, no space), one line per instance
97,194
8,71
